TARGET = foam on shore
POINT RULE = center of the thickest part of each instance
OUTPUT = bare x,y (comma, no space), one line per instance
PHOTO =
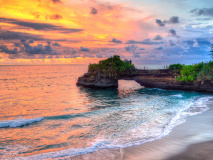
197,107
19,122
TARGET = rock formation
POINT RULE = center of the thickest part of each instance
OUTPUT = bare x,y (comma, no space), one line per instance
95,80
107,73
164,79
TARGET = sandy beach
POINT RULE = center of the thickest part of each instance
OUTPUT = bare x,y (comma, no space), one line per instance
200,151
192,140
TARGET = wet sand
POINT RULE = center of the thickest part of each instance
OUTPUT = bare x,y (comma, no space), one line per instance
192,140
200,151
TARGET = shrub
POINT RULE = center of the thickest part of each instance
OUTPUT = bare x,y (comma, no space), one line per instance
176,66
190,73
93,67
112,67
178,78
207,72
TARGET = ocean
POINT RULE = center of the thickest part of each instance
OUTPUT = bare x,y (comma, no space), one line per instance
43,114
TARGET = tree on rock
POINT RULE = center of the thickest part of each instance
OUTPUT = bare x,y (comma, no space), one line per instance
112,67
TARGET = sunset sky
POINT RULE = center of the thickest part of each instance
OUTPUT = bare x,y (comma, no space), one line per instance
86,31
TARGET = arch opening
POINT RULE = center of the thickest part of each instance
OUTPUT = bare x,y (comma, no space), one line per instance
128,84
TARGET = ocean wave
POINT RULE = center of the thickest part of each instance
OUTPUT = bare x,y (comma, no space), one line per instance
155,89
102,143
198,107
178,95
19,122
194,108
68,153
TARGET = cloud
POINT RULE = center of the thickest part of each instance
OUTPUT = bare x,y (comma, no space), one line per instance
107,55
93,11
56,44
5,49
114,40
158,37
17,44
159,48
171,43
145,42
35,14
48,48
195,43
31,41
200,41
160,23
49,42
75,56
56,17
69,51
39,26
137,55
204,19
23,40
203,12
10,35
131,48
88,55
38,15
189,28
99,55
84,49
174,19
173,32
38,49
141,49
56,1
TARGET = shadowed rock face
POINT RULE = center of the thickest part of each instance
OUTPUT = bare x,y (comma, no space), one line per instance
94,80
164,79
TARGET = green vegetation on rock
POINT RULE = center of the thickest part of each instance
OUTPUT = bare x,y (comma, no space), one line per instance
112,67
197,72
191,73
176,66
207,72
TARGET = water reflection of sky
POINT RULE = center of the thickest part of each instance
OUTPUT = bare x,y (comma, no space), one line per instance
77,117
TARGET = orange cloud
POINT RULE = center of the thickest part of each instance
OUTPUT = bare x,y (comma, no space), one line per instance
69,22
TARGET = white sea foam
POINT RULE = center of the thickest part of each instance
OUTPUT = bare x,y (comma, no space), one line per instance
19,122
194,108
104,144
198,107
178,95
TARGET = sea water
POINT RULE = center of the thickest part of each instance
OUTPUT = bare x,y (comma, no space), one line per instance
43,114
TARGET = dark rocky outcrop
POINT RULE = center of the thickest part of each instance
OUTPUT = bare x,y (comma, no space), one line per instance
97,80
106,73
164,79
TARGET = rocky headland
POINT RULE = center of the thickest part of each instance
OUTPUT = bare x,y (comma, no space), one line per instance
163,79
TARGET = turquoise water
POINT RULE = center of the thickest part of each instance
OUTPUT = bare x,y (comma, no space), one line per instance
45,115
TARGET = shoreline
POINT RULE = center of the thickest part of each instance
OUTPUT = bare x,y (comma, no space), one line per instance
194,131
194,152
